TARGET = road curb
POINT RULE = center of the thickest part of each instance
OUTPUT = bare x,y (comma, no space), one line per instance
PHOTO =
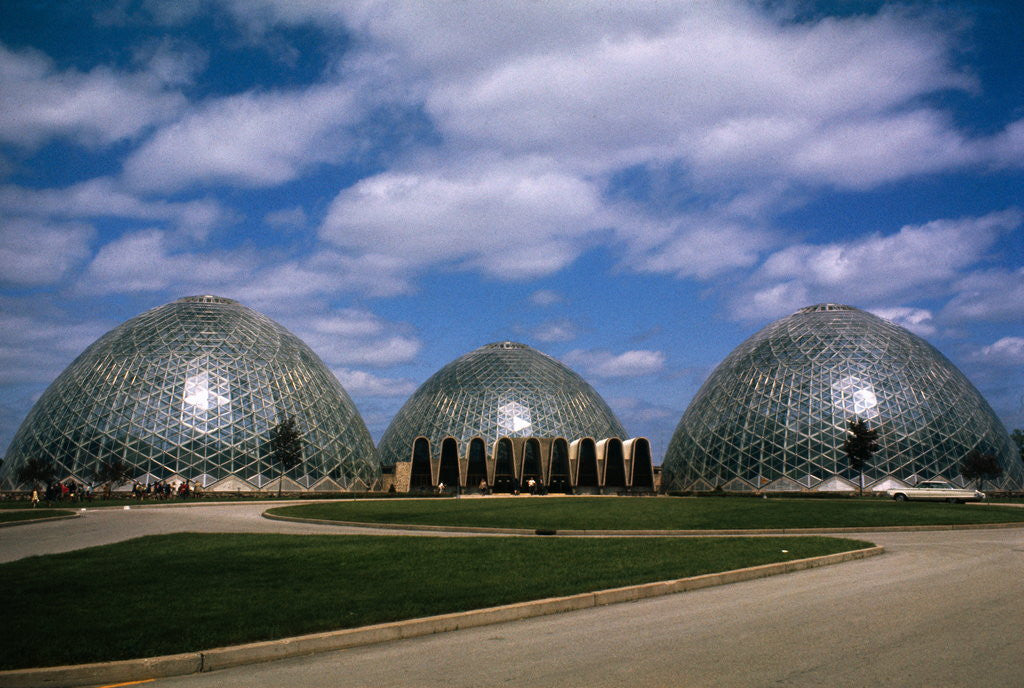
252,653
636,533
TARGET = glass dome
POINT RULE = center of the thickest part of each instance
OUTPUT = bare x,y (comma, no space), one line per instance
192,390
773,414
505,389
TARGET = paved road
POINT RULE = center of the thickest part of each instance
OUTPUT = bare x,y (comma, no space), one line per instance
104,526
939,609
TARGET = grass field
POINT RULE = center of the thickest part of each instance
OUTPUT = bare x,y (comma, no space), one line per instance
669,513
32,514
175,593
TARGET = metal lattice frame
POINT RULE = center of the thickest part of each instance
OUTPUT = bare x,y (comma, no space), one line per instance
773,414
191,390
505,389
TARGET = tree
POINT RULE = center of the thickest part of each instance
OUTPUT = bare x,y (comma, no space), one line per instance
285,447
37,471
110,474
1018,438
978,466
860,445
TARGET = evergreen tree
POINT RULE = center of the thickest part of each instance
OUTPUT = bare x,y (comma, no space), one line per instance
860,445
285,447
110,474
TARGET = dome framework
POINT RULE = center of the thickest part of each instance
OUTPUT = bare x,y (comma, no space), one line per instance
504,389
773,415
192,390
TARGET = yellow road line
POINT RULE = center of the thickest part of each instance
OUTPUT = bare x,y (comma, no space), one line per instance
128,683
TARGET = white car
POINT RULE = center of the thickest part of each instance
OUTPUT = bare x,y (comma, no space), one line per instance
936,491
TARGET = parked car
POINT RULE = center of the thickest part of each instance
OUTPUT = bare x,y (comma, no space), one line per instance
936,491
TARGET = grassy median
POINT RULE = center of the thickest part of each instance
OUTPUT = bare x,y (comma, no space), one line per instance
175,593
666,513
33,515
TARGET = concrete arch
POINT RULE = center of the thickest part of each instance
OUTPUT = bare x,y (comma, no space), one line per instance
583,458
503,476
532,463
639,465
448,466
611,459
476,463
560,471
421,477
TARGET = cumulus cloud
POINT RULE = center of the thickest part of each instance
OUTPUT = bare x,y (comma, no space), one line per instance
917,260
605,364
147,261
508,221
353,336
362,384
94,108
917,320
988,295
1008,351
252,139
34,253
36,343
563,330
104,197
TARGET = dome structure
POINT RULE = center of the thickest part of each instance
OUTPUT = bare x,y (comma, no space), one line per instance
773,415
193,390
505,389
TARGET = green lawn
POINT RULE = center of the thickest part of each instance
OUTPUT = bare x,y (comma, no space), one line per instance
32,514
176,593
667,513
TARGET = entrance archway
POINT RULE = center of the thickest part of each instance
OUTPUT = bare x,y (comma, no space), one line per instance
476,466
448,472
419,478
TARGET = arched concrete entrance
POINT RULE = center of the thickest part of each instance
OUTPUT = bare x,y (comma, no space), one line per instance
420,478
448,472
476,466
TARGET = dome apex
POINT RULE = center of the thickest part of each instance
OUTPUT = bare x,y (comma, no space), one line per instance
823,307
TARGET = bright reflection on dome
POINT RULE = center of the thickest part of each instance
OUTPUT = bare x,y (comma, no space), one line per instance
855,396
515,417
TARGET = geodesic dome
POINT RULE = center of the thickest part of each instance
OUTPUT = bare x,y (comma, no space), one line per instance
192,390
505,389
773,415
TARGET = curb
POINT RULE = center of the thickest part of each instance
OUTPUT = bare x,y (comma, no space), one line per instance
252,653
44,519
652,533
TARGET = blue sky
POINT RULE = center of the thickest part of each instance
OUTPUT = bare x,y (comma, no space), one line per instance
633,188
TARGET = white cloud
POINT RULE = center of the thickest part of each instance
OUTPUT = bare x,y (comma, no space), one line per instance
556,331
147,261
35,346
601,363
991,296
103,197
546,297
34,253
917,320
878,269
362,384
287,218
94,108
252,139
1008,351
512,222
356,337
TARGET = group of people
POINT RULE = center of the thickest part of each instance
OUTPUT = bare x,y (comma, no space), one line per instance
165,490
62,491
